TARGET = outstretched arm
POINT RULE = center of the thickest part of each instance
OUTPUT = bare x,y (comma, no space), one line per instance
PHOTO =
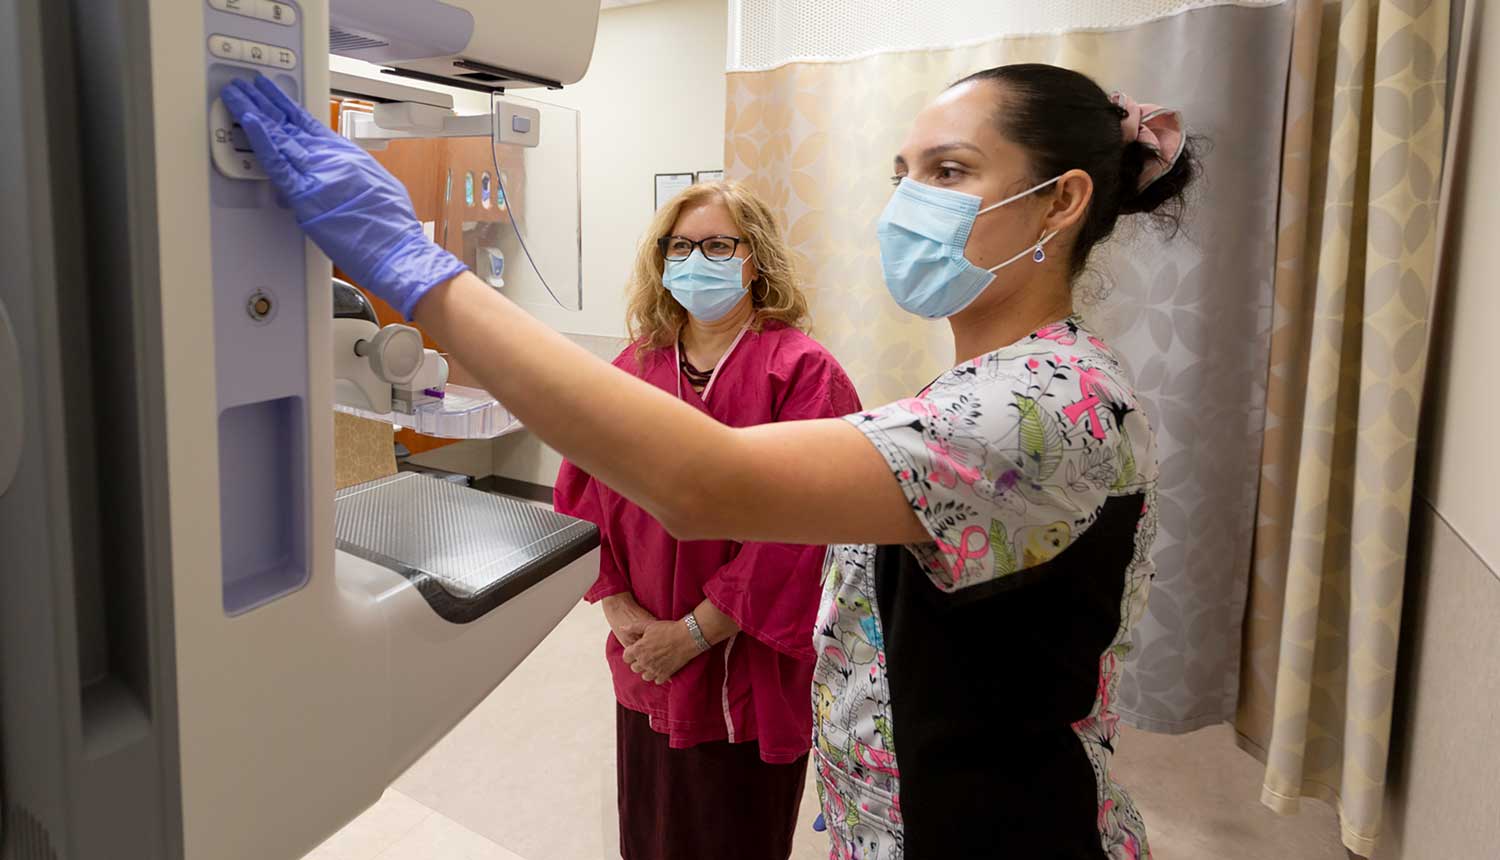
813,482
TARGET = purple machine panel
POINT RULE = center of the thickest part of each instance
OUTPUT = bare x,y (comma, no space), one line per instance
260,319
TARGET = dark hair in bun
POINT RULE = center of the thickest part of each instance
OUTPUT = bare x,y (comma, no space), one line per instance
1065,122
1165,199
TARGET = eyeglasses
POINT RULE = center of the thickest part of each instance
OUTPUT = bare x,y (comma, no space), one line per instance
716,248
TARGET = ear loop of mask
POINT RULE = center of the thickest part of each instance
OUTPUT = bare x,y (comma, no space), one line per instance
1014,197
1035,251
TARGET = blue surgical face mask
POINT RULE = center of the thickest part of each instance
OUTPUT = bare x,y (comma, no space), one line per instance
922,235
708,289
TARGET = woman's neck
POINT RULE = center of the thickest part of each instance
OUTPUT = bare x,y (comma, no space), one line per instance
1004,322
706,342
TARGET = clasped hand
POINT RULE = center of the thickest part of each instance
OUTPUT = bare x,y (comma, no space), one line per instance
661,649
654,649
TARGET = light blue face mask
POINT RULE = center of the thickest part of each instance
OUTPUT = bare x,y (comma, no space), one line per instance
708,289
922,235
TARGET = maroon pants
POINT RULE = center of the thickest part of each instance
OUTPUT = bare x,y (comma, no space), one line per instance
714,801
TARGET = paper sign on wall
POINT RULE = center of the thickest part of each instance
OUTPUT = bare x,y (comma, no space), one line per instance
669,185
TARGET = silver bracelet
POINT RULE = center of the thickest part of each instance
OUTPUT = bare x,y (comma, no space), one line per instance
691,621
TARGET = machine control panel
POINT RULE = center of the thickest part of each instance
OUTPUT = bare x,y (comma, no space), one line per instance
260,292
227,143
255,53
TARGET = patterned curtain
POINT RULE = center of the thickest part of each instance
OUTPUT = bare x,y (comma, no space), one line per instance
1192,315
1355,274
1309,251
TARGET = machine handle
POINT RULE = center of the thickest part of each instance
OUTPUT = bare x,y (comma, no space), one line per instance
395,353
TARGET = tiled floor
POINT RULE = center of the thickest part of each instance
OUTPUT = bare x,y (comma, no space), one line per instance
399,828
530,776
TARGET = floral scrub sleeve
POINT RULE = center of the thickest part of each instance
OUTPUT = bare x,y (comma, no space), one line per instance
1034,471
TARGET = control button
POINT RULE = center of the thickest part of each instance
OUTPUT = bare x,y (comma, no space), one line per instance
258,54
520,125
227,145
239,140
280,13
226,47
238,7
269,55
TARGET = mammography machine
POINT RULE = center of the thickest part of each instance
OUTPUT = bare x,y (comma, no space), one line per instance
205,650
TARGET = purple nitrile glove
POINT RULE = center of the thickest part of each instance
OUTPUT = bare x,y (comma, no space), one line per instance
354,209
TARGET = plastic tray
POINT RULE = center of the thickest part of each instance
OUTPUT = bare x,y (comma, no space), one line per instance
464,413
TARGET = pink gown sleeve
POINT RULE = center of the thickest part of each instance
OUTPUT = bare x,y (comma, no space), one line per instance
578,495
769,589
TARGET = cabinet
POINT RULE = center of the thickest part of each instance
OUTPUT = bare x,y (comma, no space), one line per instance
448,179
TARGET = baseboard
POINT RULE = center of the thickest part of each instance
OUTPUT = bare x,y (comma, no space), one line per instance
516,488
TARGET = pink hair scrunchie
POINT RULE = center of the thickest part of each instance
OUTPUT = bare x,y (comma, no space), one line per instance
1156,127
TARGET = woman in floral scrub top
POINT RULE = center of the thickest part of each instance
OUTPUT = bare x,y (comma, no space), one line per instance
998,525
962,693
987,657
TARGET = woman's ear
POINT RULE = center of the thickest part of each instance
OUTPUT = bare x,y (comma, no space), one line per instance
1074,191
749,272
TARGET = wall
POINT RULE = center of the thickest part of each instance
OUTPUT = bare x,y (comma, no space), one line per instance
1463,479
1443,779
651,102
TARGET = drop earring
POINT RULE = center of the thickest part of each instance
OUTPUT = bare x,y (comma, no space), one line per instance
1039,254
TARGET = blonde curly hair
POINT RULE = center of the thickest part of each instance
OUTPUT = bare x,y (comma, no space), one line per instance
655,318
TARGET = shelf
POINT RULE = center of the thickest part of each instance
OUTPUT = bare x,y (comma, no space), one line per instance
463,413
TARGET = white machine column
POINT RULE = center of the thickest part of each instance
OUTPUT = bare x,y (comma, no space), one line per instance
202,655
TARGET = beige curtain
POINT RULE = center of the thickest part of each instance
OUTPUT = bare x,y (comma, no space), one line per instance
1356,259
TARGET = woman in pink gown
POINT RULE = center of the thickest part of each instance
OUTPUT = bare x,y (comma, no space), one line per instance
711,649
